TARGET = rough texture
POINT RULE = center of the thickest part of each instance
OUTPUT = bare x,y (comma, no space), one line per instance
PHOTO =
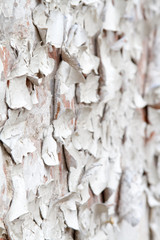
79,120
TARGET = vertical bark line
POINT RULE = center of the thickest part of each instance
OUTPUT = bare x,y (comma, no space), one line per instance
55,54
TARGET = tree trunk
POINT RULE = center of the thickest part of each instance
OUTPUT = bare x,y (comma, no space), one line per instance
79,119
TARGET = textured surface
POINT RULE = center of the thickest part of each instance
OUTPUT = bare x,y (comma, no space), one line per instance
79,120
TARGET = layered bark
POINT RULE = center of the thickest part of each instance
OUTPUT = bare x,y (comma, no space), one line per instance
79,119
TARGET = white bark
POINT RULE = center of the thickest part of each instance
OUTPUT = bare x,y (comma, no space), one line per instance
79,119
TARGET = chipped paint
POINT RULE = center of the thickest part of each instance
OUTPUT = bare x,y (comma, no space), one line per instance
79,120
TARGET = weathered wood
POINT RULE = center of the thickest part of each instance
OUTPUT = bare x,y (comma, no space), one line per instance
79,120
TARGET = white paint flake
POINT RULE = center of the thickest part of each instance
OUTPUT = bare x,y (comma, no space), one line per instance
19,203
49,149
18,97
89,89
55,30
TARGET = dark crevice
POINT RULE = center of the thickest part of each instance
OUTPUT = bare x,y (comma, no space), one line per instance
103,114
96,50
38,34
75,93
106,194
74,235
145,115
35,221
118,196
101,81
40,214
66,166
124,137
100,69
90,189
6,235
145,174
156,160
53,110
64,157
133,61
15,51
54,86
103,196
119,36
